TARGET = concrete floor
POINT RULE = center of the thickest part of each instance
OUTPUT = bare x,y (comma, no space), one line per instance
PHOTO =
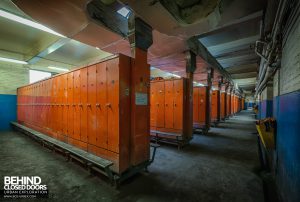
218,167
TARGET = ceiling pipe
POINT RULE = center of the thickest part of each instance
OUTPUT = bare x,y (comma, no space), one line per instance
270,49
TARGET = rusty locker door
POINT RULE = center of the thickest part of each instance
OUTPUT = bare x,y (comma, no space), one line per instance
112,105
91,108
178,104
169,104
101,110
70,107
65,105
76,107
195,105
202,105
160,104
83,104
214,105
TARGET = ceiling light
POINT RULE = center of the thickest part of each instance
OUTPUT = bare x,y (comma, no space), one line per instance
175,75
124,11
97,48
30,23
13,60
59,69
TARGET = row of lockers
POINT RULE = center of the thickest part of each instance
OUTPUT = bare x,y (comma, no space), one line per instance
93,108
168,106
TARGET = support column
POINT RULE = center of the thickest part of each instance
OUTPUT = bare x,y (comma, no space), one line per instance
190,69
141,40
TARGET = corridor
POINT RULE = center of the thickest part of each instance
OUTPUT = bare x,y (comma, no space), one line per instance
220,166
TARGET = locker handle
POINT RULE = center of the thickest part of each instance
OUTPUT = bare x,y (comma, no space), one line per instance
89,105
157,104
73,105
175,105
80,105
108,105
97,105
166,105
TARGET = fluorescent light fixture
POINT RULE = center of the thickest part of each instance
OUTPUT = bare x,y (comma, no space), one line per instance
30,23
97,48
198,84
124,11
58,69
13,61
175,75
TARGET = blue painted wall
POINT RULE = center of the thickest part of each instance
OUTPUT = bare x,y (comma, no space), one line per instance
266,109
8,111
287,113
259,110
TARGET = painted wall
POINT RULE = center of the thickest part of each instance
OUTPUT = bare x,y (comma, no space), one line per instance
286,110
8,111
12,76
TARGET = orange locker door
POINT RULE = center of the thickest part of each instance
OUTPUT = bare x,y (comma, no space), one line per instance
60,83
101,109
76,107
83,105
202,105
196,105
153,96
54,108
222,105
91,108
112,105
160,104
169,104
178,104
70,107
214,105
65,106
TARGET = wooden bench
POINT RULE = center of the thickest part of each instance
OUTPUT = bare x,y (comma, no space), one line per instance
170,138
91,161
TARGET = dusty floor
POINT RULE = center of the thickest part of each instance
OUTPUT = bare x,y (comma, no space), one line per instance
218,167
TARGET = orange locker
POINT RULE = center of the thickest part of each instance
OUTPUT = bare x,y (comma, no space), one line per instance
91,106
223,105
70,107
75,105
157,104
83,105
200,106
215,107
102,108
228,104
65,106
167,105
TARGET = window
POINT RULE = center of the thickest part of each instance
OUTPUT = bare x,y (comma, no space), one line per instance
35,76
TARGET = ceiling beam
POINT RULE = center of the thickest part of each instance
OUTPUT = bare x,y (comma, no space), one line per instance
50,49
199,49
232,45
235,23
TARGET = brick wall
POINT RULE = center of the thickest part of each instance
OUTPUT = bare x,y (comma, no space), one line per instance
12,76
290,64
